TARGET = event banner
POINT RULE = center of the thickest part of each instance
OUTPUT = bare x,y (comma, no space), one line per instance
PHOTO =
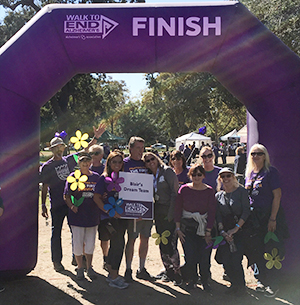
137,195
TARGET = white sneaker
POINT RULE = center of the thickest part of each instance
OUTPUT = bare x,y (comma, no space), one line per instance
260,287
118,283
269,292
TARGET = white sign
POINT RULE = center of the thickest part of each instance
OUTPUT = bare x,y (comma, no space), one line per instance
136,187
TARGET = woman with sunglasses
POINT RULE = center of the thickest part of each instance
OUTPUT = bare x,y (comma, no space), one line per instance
165,186
233,209
178,163
263,185
97,152
114,163
196,202
211,171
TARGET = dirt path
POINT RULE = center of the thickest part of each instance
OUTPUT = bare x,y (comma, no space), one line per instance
45,286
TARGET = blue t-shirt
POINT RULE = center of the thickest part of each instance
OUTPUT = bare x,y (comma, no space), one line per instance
88,211
264,185
211,177
55,174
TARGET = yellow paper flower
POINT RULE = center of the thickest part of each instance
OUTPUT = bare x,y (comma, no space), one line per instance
273,259
79,140
77,180
162,238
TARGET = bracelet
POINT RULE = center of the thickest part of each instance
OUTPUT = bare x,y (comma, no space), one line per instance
96,138
238,225
273,220
177,229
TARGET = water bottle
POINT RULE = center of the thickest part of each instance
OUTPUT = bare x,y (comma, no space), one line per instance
232,247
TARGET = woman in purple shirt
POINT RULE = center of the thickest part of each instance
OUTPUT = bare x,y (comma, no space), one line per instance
178,163
263,185
196,202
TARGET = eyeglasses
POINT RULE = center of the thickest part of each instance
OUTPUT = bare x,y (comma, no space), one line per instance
195,175
207,156
260,153
149,160
116,162
96,153
226,176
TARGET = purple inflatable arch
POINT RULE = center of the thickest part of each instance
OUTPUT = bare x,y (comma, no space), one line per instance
223,38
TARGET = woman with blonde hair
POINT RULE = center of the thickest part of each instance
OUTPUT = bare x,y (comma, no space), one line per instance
263,185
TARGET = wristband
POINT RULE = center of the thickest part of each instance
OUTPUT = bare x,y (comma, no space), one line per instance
96,138
177,229
238,225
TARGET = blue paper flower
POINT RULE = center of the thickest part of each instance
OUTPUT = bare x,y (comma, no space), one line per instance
114,206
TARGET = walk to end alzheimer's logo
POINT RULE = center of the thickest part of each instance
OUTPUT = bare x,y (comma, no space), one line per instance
91,26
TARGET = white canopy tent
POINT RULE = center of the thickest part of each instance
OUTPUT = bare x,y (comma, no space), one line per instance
242,133
190,138
230,135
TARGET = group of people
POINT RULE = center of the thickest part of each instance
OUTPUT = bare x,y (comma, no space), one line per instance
193,204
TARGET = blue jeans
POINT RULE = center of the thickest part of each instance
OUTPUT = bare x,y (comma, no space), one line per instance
58,215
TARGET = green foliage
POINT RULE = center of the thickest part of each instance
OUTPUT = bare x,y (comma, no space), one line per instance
282,17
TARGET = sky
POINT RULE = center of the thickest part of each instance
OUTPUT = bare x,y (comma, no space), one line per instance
135,81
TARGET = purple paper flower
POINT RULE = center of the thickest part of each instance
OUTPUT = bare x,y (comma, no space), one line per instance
113,182
219,241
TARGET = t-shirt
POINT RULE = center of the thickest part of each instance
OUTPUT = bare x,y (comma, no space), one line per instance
88,211
211,177
265,183
183,177
134,166
1,203
191,200
97,169
55,174
101,188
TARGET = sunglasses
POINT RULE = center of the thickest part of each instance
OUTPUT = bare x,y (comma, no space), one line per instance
116,162
96,153
198,174
207,156
149,160
226,176
260,153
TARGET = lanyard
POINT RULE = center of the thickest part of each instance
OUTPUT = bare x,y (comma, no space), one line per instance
155,178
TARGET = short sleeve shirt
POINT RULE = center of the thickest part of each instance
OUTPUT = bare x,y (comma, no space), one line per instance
55,174
134,166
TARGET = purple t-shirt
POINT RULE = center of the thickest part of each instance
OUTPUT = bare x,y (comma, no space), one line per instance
101,188
55,174
183,177
211,177
88,211
97,169
202,201
264,185
134,166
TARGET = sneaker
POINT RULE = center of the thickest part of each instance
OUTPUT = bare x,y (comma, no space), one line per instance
144,275
128,276
80,274
160,275
2,288
260,287
118,283
91,273
269,292
226,277
177,280
58,267
165,278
